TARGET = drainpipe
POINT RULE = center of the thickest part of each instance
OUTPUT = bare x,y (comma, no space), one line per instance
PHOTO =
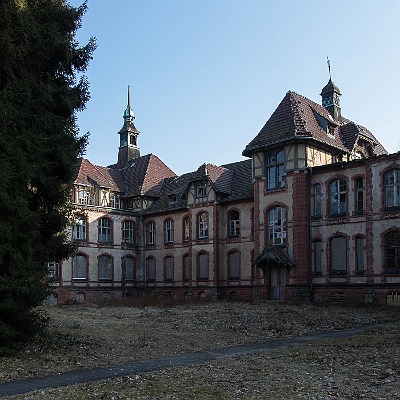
310,233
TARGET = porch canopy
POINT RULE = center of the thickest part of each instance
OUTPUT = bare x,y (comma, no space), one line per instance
274,256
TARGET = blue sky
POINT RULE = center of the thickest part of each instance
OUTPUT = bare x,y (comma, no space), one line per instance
205,75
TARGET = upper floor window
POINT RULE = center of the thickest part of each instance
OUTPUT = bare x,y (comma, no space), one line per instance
104,230
392,252
339,255
105,268
234,223
392,189
186,229
115,201
172,198
151,233
169,231
79,266
84,196
79,229
338,197
128,204
317,201
277,226
275,169
128,232
200,189
202,225
359,195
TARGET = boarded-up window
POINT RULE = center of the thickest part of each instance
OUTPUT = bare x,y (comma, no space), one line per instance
79,267
186,268
392,244
169,269
234,262
151,269
317,257
203,266
129,263
105,268
359,255
339,255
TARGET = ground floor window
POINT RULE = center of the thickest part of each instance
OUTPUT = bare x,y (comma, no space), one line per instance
392,250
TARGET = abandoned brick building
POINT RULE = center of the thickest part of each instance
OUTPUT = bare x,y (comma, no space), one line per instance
313,213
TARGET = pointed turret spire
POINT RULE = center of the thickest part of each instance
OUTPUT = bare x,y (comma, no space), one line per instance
128,137
129,116
331,97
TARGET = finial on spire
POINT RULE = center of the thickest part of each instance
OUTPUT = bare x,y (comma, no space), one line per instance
329,66
129,116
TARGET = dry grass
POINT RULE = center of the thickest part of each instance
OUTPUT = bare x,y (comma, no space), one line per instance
363,367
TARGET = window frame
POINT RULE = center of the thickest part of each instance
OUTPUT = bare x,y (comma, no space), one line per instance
169,274
359,195
337,192
79,278
393,254
169,231
200,190
100,276
202,225
394,188
128,233
151,233
335,260
278,228
79,228
233,224
232,277
186,229
105,230
317,200
275,170
129,257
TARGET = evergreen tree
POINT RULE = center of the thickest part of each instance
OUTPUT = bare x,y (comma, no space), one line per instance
41,91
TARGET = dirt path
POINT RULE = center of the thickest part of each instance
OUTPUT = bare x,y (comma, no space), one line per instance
137,367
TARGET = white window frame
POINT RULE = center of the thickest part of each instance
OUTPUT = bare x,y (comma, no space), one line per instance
104,230
234,224
79,230
53,269
338,200
128,231
202,225
277,226
392,189
169,231
275,169
151,233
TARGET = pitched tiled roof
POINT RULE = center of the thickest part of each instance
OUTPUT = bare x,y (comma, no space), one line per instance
233,181
298,117
143,176
88,173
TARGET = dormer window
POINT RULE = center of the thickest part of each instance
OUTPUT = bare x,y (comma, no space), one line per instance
84,196
200,189
331,130
172,199
275,168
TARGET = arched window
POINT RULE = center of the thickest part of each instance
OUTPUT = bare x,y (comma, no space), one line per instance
151,233
105,268
169,269
202,225
234,223
169,231
151,269
234,265
317,201
338,198
277,226
338,255
128,232
186,229
359,195
202,267
129,268
79,266
392,189
392,252
104,230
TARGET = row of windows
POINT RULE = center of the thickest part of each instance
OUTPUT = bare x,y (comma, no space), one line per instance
201,228
338,254
80,265
105,230
338,191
